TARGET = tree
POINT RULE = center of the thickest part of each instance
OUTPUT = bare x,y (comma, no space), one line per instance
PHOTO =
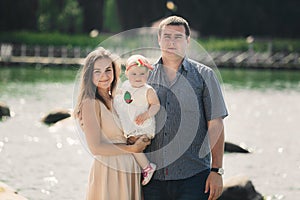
92,14
137,13
18,15
59,15
111,17
70,19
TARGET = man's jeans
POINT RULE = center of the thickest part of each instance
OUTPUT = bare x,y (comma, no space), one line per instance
186,189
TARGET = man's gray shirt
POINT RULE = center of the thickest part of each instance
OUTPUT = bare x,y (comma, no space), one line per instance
180,147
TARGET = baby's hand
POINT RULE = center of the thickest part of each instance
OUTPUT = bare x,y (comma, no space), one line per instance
141,118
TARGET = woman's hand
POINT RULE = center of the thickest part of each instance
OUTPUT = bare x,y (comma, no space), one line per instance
132,139
140,144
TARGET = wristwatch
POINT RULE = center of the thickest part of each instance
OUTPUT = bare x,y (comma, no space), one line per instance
218,170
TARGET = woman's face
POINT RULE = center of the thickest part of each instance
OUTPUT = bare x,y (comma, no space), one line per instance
103,74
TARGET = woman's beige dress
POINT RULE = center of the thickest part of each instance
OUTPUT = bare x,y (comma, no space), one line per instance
113,177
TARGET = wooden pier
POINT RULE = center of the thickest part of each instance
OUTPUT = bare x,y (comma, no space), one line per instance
50,55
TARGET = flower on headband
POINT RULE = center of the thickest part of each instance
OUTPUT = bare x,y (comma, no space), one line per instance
140,63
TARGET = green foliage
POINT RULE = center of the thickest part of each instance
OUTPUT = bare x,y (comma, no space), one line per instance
259,45
232,18
209,44
288,45
111,22
56,39
47,13
63,16
224,44
70,19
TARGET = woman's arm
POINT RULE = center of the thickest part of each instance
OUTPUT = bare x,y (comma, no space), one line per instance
94,136
154,106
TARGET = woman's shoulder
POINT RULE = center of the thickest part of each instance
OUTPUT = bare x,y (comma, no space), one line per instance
89,102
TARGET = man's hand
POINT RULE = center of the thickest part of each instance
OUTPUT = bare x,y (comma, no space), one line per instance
214,185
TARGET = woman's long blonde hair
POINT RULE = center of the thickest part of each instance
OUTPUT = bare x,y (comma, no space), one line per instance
87,88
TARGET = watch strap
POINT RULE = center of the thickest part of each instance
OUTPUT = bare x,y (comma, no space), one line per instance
217,170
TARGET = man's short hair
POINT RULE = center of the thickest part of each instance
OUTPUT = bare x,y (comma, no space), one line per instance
177,21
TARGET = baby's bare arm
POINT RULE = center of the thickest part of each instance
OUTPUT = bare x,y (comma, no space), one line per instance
154,106
153,102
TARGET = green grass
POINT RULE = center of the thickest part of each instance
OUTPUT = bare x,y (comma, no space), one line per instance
209,43
259,45
55,39
223,44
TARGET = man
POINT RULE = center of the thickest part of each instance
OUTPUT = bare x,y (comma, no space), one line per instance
189,142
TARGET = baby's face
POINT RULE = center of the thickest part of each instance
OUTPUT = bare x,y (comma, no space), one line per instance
137,76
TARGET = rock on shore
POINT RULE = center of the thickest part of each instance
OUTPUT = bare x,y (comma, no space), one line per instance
55,116
4,110
239,188
233,148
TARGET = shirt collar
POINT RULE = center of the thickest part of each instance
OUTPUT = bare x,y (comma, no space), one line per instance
184,66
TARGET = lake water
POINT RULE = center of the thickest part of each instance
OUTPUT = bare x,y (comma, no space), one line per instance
49,162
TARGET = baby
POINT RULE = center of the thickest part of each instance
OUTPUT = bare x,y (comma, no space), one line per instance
136,103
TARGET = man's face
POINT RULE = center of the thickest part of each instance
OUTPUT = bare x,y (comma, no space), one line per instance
173,41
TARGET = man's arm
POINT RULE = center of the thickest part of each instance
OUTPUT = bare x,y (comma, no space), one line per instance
216,138
214,183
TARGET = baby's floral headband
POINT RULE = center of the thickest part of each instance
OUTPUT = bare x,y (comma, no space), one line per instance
140,63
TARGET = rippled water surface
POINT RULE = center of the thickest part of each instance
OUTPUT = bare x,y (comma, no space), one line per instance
49,162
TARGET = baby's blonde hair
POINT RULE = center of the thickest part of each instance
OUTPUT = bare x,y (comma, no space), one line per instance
134,59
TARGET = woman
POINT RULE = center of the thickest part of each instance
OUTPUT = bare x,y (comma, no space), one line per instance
115,173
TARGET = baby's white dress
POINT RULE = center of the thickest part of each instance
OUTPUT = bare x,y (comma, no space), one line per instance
129,109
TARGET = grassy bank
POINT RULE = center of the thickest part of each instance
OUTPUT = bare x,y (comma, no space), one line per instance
258,44
209,43
55,39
